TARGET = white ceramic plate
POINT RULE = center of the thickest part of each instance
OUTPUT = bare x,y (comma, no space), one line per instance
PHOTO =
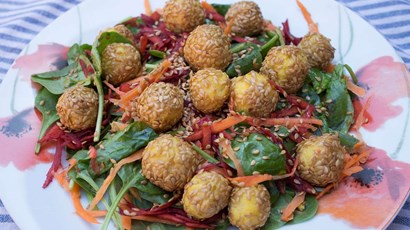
356,43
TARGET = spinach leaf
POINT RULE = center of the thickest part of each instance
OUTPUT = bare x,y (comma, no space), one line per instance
108,38
319,79
274,221
259,154
339,103
57,81
222,9
249,58
46,102
131,177
116,147
347,140
131,174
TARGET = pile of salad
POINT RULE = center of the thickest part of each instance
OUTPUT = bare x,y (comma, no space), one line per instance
202,116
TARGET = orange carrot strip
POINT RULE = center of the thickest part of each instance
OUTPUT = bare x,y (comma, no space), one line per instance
360,119
330,68
206,136
113,172
324,191
207,6
227,148
71,162
359,91
286,121
116,90
226,123
98,213
357,158
246,181
92,152
287,214
126,222
228,27
354,169
75,197
312,25
61,178
144,43
147,5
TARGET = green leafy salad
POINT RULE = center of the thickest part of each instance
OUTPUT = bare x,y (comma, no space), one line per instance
200,116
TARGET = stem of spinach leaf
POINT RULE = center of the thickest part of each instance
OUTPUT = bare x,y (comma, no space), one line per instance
98,84
266,47
204,154
281,40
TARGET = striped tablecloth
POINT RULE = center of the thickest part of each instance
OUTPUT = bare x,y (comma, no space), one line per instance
21,20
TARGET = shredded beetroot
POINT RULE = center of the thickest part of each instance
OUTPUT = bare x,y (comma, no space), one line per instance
286,112
302,104
288,37
55,165
214,16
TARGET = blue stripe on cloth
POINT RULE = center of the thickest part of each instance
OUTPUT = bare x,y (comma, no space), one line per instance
12,38
402,220
374,5
6,60
9,49
5,219
51,4
398,35
16,2
22,29
34,21
406,205
43,13
1,204
387,14
2,70
393,24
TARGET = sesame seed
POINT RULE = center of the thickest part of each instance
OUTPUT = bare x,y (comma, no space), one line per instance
253,162
42,102
255,151
236,148
265,157
255,173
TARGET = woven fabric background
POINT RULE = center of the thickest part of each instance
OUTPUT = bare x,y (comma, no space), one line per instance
21,20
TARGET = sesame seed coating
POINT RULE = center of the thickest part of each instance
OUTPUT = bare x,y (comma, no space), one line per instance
253,95
161,106
206,194
77,108
183,15
321,159
247,18
318,49
169,162
249,207
208,47
120,62
209,89
287,66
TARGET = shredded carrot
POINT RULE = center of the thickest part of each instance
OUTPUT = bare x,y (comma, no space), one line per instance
116,90
226,123
75,197
61,178
354,169
92,152
206,137
246,181
118,126
359,91
208,6
154,76
195,136
361,119
126,222
286,121
143,43
355,160
147,5
287,212
227,149
113,172
228,27
71,162
312,25
98,213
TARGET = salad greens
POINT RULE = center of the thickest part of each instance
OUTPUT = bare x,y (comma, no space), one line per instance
266,151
